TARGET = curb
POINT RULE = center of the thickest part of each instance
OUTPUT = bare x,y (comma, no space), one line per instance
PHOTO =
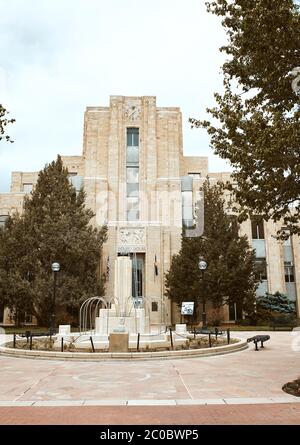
151,402
107,356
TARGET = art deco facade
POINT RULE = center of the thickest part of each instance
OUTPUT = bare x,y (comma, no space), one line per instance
141,185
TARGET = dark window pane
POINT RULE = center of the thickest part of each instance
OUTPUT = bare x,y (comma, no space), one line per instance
132,137
257,229
154,307
137,276
135,137
289,274
231,312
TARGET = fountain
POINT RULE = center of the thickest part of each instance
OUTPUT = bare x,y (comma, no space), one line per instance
123,316
119,328
117,323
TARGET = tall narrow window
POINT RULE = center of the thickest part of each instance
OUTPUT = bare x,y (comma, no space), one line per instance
132,174
289,272
187,201
138,265
258,229
187,209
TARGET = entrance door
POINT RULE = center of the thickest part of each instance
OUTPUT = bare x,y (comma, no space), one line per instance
138,275
235,312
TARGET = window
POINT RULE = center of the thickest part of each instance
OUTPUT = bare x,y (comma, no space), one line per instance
287,233
132,209
187,209
138,261
132,156
1,314
132,174
76,181
132,190
3,219
154,306
195,175
72,174
258,229
27,187
132,137
289,272
261,268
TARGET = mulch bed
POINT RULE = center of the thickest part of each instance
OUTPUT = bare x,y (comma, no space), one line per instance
292,388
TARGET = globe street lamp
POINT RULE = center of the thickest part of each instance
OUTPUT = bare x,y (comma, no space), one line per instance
202,267
55,269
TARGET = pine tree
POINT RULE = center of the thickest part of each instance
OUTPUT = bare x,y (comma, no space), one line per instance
257,117
54,227
276,303
231,275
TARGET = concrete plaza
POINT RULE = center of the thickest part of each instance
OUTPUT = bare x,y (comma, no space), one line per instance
246,378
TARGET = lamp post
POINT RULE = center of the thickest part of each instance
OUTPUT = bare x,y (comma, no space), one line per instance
55,269
202,267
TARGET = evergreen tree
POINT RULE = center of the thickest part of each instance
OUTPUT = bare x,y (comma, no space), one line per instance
4,121
258,114
54,227
276,303
231,273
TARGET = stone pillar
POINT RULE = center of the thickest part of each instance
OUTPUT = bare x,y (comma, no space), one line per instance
123,283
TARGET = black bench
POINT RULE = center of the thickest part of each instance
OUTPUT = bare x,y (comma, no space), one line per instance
206,331
29,334
258,338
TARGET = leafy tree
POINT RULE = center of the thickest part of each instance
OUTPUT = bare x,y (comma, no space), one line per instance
4,121
231,273
55,226
258,113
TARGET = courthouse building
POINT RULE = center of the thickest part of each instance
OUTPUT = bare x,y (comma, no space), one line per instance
141,185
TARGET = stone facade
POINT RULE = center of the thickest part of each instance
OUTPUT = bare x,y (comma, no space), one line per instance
154,234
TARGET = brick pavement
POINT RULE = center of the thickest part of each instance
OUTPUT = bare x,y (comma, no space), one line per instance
264,414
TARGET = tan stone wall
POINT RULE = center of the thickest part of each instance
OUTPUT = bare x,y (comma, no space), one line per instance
74,164
195,164
10,203
18,179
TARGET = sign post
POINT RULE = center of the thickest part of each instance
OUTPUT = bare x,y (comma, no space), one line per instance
187,308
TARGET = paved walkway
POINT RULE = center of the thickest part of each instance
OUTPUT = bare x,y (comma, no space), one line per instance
244,378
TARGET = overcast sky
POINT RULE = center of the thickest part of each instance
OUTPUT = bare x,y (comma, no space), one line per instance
59,56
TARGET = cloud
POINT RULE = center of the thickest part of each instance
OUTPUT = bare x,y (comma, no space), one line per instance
59,56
